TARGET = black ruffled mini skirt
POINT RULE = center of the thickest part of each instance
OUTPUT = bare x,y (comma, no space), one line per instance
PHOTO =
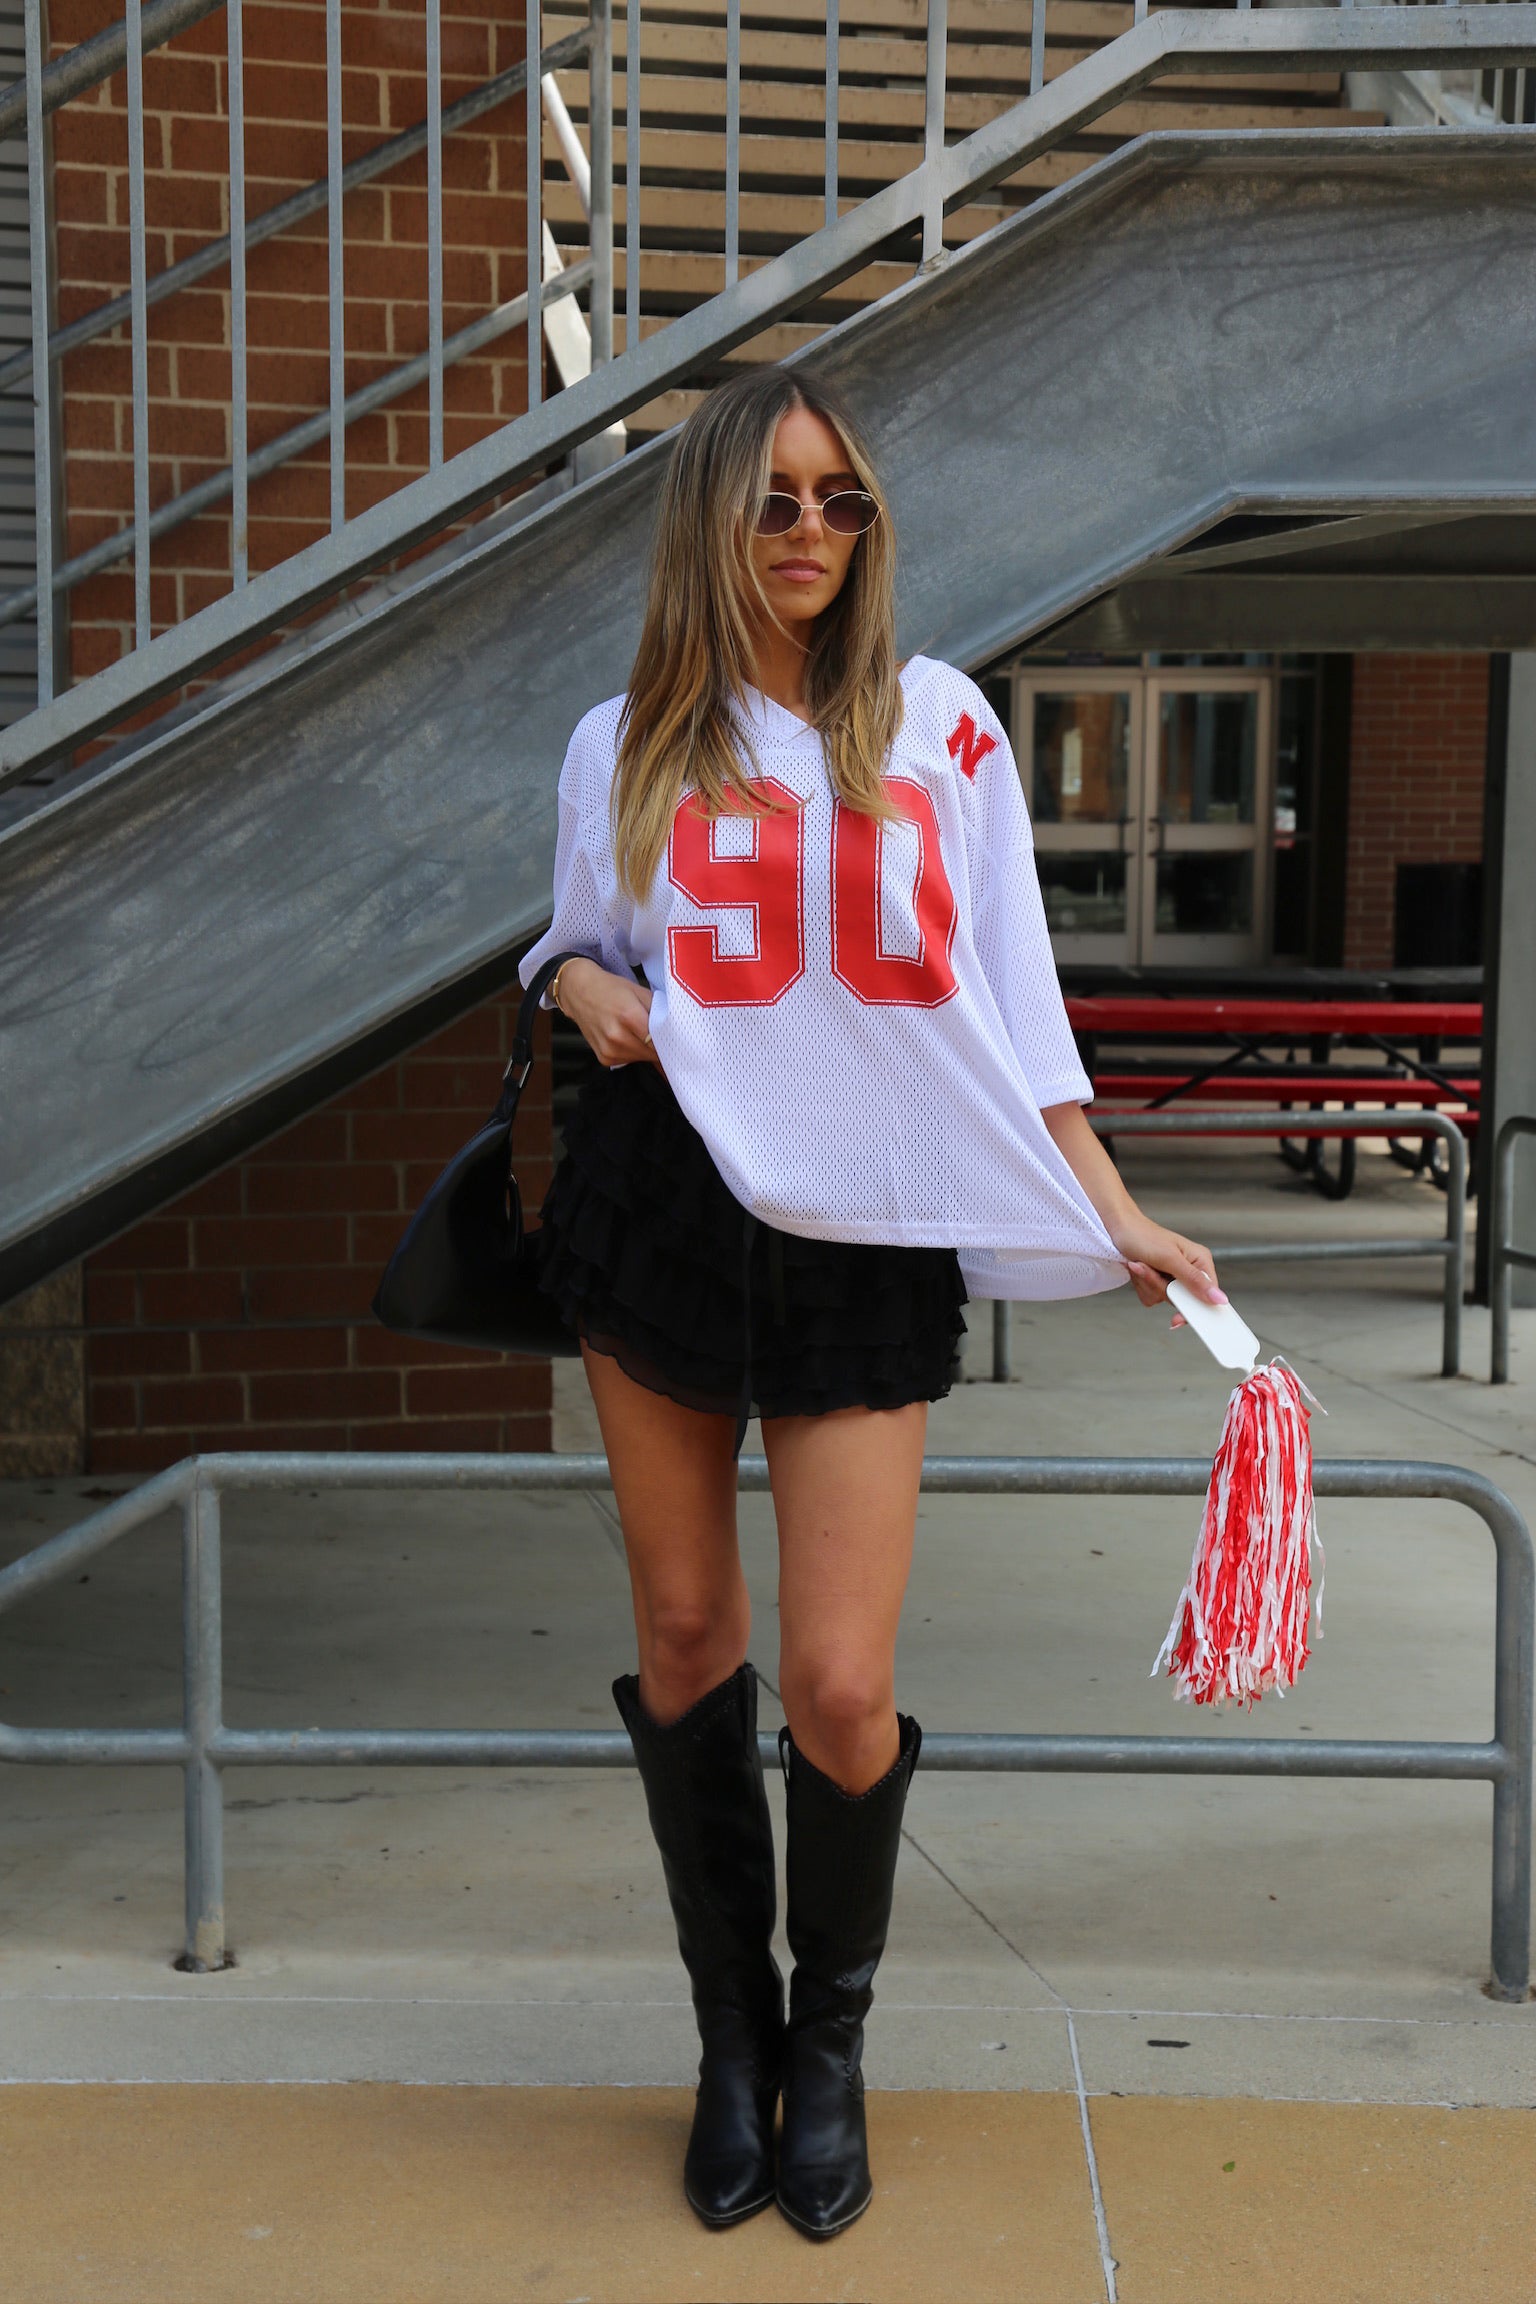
654,1262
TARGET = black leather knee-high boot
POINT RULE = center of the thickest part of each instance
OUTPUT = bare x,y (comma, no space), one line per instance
841,1869
703,1783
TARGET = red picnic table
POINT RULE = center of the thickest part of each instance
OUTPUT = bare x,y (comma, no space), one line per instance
1283,1051
1198,1017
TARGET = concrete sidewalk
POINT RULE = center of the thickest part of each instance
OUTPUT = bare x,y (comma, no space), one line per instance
391,2195
1069,1955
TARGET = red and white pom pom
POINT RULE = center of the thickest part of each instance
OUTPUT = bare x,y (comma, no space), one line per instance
1240,1627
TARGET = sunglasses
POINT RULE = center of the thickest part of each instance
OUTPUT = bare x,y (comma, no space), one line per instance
851,512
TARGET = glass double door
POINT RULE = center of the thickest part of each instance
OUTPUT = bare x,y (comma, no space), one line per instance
1151,798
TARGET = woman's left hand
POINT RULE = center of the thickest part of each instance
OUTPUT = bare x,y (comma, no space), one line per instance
1154,1256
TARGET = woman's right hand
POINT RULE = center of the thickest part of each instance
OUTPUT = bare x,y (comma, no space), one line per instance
612,1013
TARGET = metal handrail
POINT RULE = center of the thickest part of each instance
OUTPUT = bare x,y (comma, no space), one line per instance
1505,1255
1195,40
394,384
298,206
203,1747
1248,1122
42,90
307,433
99,57
1451,1247
1483,109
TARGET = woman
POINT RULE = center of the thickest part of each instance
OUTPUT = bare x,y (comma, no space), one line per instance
847,1061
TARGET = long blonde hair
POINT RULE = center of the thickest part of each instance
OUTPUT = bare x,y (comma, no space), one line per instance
697,652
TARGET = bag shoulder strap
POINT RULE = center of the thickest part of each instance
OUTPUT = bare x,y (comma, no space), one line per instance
520,1062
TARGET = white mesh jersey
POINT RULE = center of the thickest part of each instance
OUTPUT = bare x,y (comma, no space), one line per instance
861,1019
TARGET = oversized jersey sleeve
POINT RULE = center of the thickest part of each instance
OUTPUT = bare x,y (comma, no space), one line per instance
591,914
1012,941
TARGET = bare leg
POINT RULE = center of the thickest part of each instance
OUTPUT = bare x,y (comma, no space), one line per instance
674,1481
674,1475
845,1489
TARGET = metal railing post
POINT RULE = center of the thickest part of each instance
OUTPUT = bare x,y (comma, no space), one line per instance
1500,1278
534,206
239,411
1505,1254
434,233
830,108
1455,1251
631,174
1513,1722
600,157
202,1640
1002,1342
933,129
42,374
139,330
732,142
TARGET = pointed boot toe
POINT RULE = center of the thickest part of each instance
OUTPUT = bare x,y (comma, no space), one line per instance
721,2194
824,2180
723,2188
728,2170
823,2200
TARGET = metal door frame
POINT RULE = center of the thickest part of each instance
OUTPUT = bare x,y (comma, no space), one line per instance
1030,681
1139,837
1216,951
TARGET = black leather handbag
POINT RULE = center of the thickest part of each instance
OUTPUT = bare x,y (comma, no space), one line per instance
466,1271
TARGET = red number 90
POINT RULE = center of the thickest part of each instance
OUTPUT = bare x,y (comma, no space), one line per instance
768,881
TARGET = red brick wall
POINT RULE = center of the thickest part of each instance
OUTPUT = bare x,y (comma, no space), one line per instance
1416,766
186,202
237,1317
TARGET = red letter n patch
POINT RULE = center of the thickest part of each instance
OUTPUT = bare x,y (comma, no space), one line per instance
968,747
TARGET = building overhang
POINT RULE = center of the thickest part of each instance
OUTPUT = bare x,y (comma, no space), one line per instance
1281,581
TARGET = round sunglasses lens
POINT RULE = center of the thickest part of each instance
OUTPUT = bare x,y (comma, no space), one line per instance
850,513
777,515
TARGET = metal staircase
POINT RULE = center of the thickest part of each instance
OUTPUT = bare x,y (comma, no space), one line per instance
305,866
878,125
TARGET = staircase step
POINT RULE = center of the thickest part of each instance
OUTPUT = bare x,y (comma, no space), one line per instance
679,217
672,99
774,164
860,55
690,276
1000,20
